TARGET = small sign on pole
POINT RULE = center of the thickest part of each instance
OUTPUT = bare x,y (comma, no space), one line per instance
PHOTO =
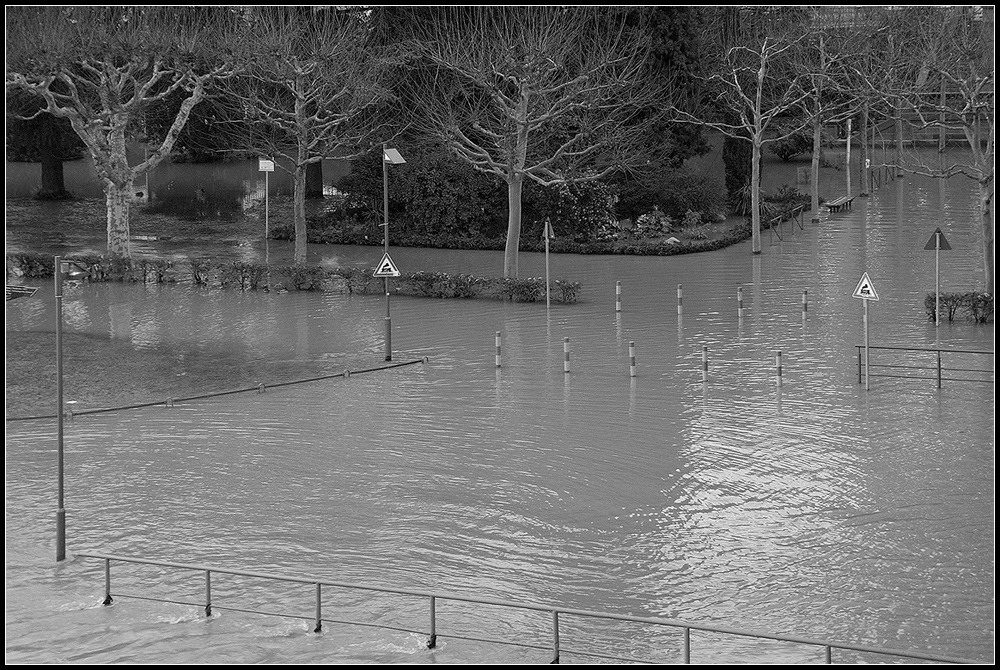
866,291
938,243
386,268
266,165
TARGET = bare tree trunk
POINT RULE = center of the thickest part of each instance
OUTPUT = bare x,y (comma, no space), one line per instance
986,193
755,194
866,177
119,200
817,151
299,207
899,139
513,226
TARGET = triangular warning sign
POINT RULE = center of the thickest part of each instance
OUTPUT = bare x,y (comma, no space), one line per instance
865,289
937,238
386,268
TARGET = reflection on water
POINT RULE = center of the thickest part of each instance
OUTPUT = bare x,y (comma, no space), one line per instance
813,509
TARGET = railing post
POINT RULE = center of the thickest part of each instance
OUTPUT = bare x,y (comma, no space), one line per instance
432,640
208,593
859,364
319,608
829,655
107,582
687,646
555,637
939,368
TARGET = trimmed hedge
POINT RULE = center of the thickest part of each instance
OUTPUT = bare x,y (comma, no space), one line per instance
259,276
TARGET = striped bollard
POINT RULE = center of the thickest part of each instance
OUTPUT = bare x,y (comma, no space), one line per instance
777,365
739,301
565,354
704,363
805,302
498,348
631,359
680,299
618,297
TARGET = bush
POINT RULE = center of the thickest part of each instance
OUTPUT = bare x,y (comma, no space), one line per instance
792,146
977,307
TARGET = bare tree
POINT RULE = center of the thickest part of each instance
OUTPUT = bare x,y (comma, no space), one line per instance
103,67
939,70
551,94
754,90
310,84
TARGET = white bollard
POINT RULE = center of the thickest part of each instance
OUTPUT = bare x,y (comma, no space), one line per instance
498,348
704,363
565,354
618,297
805,302
739,301
631,359
777,365
680,299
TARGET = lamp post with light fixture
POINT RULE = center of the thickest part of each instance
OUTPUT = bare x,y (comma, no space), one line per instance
394,157
61,268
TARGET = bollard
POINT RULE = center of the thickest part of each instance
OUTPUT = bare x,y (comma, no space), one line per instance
704,363
739,301
565,354
631,359
498,348
805,301
618,297
680,299
347,374
777,364
261,388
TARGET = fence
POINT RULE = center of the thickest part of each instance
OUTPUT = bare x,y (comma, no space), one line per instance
938,368
433,598
796,216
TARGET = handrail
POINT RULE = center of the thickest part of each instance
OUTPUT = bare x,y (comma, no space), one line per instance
940,369
556,611
259,388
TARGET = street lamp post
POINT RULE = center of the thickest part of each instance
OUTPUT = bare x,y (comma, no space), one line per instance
61,268
394,157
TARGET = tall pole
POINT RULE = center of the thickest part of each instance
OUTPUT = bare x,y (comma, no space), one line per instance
60,510
937,278
385,216
866,344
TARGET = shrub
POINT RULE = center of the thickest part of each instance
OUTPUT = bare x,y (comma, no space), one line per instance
977,307
791,146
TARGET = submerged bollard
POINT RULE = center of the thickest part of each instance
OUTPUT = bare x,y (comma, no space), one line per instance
704,363
631,359
498,348
739,301
565,354
680,299
777,365
618,297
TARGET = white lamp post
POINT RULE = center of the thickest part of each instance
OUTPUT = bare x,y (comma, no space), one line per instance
67,268
394,157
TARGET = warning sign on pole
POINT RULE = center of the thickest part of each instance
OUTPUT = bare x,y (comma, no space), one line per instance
865,289
386,268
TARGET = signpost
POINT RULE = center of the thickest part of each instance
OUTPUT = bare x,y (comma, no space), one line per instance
546,236
938,244
267,167
866,291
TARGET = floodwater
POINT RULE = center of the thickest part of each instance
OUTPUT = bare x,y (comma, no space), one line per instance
814,508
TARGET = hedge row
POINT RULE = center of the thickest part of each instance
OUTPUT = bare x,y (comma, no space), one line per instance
976,307
259,276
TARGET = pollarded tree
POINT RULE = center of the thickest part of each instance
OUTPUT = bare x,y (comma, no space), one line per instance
103,67
310,86
755,91
551,94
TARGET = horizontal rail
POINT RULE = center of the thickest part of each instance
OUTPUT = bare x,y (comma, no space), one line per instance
259,388
938,368
555,611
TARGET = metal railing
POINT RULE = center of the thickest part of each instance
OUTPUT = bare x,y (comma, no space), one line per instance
796,216
433,598
258,388
938,368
